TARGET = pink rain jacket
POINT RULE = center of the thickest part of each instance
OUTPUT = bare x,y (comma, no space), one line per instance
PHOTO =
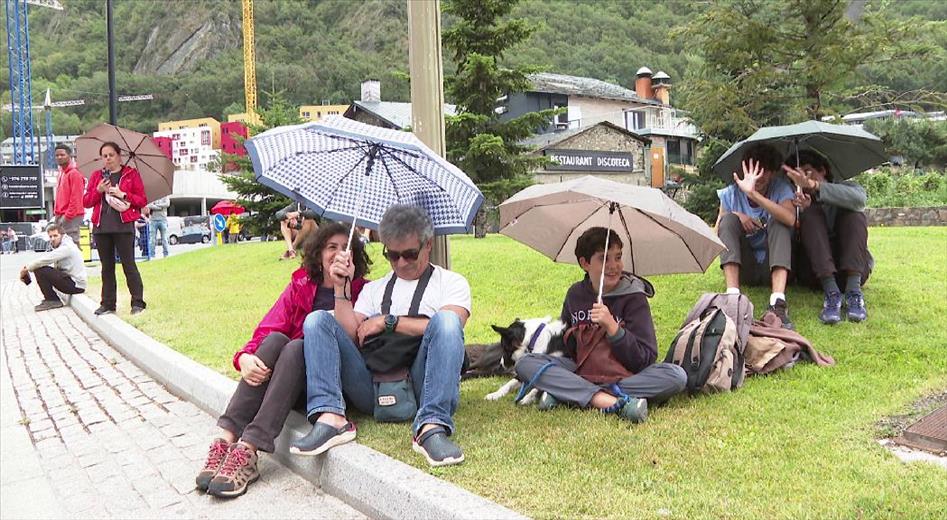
289,312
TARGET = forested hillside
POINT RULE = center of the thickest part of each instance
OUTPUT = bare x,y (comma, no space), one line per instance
188,53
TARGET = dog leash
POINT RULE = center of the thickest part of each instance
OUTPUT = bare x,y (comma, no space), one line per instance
532,340
532,382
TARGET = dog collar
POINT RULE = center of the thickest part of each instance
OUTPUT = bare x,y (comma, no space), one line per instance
534,337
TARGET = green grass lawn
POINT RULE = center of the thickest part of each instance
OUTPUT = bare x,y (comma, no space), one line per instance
799,444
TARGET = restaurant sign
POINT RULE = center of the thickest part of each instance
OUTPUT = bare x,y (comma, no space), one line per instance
589,160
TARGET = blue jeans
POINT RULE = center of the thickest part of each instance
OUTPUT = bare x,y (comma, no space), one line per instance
334,366
153,226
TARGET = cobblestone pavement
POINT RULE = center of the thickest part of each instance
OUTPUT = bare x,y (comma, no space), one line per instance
107,439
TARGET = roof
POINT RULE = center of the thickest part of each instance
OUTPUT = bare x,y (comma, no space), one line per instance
581,86
668,132
543,141
398,115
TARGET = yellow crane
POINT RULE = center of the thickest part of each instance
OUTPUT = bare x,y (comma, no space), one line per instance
249,63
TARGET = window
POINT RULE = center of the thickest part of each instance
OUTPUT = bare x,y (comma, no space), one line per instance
635,120
193,158
205,137
561,120
182,151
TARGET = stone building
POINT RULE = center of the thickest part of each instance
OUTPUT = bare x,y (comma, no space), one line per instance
603,149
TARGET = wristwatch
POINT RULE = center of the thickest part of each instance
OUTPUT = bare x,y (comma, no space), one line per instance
391,321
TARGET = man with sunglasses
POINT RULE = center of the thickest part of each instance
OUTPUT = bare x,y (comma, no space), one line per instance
335,364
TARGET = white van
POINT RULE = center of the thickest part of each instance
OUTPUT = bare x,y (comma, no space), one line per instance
175,229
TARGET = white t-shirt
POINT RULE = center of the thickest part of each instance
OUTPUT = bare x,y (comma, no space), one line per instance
444,288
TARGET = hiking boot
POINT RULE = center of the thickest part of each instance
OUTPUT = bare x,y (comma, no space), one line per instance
215,458
855,306
321,437
137,310
437,448
46,305
782,310
236,473
831,309
103,310
634,410
288,255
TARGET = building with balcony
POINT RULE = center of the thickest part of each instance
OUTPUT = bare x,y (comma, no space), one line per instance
201,123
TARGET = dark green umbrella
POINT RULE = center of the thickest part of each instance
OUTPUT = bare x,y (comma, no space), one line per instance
849,150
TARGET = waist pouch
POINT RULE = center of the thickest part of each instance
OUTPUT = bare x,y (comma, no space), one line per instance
394,397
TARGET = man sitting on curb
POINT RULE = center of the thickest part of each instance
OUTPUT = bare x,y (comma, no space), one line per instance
61,268
834,233
336,365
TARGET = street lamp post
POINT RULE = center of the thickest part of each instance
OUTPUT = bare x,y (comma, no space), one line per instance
427,89
113,108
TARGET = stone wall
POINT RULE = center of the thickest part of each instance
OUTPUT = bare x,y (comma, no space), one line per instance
601,138
907,216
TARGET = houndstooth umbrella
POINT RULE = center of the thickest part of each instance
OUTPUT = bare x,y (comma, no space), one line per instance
346,170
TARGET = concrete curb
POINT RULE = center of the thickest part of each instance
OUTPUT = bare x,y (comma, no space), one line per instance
367,480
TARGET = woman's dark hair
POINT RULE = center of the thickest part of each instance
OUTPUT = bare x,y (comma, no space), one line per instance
812,158
110,144
316,242
768,157
593,240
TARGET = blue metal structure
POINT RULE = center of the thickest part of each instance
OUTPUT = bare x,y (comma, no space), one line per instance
18,45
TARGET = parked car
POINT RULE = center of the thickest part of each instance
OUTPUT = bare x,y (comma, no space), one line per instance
191,235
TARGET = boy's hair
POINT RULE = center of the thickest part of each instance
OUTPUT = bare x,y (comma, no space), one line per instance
593,240
768,157
812,158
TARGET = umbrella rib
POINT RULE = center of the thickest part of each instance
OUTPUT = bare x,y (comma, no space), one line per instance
388,172
406,165
631,243
689,250
569,234
341,180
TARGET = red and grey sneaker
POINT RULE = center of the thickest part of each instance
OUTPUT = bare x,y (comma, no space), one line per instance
215,459
236,473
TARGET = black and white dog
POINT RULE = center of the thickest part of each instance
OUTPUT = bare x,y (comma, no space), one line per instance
537,335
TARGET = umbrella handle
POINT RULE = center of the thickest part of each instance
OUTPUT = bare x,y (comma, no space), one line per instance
608,233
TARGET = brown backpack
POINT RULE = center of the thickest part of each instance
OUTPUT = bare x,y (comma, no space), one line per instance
709,350
594,358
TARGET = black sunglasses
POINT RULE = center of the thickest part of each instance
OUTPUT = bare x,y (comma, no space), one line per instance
408,254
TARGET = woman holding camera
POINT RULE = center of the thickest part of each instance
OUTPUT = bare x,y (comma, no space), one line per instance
116,195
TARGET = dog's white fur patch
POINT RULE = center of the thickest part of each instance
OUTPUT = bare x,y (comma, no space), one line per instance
540,347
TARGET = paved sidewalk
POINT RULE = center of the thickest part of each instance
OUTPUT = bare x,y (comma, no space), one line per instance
86,432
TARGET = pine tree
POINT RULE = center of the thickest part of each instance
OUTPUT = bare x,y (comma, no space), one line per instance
478,142
260,201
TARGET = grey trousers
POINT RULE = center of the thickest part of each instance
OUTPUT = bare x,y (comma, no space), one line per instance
657,383
257,413
778,249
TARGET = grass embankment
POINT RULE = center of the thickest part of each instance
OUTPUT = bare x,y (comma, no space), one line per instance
793,445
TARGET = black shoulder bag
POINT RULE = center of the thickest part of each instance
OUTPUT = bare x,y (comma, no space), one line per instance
390,351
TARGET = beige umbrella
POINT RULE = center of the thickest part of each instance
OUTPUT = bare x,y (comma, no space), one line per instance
660,236
138,151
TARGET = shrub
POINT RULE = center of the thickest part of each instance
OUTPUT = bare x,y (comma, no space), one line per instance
888,187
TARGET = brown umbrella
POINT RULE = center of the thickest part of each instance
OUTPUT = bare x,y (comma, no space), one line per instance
138,151
660,236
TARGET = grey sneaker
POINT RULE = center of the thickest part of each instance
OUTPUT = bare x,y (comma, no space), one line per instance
137,310
47,305
547,402
322,437
437,448
635,410
103,310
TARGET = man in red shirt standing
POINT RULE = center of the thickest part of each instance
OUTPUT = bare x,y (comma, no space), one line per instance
68,209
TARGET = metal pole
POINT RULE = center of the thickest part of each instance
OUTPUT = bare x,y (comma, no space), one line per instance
113,108
427,89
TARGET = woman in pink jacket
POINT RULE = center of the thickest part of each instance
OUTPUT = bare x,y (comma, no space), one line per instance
272,370
116,195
